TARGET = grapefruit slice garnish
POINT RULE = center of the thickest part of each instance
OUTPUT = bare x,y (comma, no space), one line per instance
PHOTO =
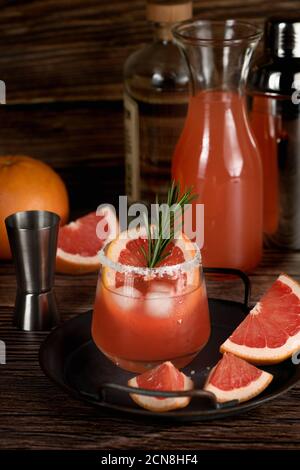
164,377
235,379
271,331
80,241
126,250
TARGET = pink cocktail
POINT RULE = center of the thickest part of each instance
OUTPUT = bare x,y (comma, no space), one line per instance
145,316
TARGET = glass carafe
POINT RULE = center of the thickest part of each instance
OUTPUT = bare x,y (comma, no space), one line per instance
217,153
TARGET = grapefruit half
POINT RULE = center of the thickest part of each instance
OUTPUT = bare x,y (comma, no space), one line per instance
235,379
80,241
164,377
271,331
126,249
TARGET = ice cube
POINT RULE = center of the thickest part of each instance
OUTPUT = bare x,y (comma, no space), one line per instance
161,286
159,304
126,297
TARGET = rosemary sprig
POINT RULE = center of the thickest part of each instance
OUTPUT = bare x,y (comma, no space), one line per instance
168,223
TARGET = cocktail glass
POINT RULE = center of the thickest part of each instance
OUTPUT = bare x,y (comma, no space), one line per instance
145,316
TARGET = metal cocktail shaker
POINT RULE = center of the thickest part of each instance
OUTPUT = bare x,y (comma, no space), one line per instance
274,92
33,242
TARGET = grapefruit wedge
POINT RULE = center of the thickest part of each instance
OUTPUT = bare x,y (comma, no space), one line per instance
271,331
164,377
80,241
128,247
235,379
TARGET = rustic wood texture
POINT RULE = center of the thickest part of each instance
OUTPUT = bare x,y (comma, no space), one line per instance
34,414
82,141
57,50
62,63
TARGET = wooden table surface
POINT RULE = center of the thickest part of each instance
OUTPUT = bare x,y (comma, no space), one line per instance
35,414
62,63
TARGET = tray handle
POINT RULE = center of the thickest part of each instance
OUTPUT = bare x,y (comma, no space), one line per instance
198,393
234,272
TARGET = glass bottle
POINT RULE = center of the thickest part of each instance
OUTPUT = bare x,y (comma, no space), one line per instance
275,118
217,153
155,103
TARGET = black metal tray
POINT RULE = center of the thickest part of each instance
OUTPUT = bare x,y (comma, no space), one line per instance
69,357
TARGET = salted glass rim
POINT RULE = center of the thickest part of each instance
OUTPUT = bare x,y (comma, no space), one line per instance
181,32
185,266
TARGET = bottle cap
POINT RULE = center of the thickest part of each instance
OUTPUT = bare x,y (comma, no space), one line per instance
169,11
282,35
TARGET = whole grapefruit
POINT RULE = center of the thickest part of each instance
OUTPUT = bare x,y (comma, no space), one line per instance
28,184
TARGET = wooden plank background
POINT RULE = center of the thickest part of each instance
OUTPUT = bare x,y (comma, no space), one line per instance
62,63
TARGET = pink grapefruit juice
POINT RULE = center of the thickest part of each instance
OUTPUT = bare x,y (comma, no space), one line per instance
267,127
217,155
152,322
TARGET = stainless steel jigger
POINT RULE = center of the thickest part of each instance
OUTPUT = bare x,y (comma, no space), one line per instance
33,241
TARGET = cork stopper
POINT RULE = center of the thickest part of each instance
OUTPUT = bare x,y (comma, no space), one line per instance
169,11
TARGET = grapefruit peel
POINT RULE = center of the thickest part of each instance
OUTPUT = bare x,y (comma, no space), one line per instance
266,354
229,370
161,405
78,263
